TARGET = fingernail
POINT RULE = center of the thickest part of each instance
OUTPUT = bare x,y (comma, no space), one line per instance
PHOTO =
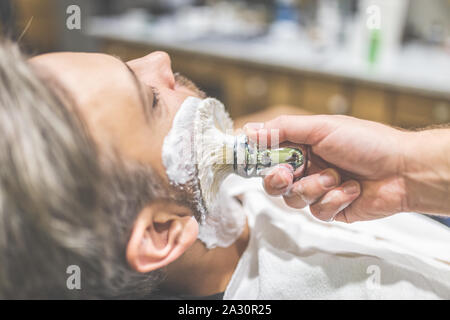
351,188
327,179
254,126
278,181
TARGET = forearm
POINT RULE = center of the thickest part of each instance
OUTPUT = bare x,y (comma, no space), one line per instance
426,171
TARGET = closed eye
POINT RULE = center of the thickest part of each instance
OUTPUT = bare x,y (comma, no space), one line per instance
143,94
155,101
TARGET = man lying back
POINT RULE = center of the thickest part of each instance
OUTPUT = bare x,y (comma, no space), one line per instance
82,184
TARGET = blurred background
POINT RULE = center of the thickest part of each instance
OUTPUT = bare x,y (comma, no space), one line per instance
382,60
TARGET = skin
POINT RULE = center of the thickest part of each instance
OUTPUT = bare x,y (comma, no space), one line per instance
374,170
130,107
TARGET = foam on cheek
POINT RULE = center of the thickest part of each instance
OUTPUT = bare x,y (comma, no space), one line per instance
176,156
221,223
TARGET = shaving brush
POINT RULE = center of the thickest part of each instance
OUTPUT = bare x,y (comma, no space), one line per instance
219,152
201,150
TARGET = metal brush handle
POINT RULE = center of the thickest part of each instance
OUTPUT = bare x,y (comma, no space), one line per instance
250,161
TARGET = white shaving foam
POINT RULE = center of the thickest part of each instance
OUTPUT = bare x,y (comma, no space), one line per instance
221,224
176,154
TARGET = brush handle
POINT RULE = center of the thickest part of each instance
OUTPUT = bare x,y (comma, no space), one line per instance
251,161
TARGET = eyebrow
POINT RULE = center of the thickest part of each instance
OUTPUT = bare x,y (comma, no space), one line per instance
138,84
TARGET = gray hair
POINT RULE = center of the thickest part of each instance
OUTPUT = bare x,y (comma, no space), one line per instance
60,204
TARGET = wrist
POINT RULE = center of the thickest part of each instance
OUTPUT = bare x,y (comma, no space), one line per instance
426,171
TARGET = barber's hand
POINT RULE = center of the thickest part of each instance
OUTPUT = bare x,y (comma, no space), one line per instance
354,167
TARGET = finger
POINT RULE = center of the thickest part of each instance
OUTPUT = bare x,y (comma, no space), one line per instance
309,189
354,213
278,180
335,201
298,129
251,130
343,216
315,164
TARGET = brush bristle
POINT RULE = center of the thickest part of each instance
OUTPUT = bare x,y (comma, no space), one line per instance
213,129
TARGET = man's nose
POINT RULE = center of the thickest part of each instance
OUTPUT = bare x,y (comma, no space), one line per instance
164,63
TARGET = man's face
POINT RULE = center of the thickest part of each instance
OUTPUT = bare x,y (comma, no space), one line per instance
129,107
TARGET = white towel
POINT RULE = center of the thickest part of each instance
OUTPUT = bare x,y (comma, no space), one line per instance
292,255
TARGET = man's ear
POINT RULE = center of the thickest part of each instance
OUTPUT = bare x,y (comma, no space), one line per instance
162,232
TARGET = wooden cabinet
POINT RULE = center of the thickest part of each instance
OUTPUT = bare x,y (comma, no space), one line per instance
418,111
286,89
246,90
372,104
324,96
